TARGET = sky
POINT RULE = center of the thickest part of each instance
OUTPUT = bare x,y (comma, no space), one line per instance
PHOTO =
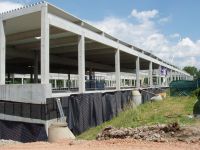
169,29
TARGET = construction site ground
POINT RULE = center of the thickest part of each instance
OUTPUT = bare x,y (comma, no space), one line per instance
113,144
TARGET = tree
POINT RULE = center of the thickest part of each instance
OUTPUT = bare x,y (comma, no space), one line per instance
192,71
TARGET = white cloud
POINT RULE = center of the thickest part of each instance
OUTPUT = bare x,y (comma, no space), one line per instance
144,15
175,35
8,5
164,20
124,30
146,34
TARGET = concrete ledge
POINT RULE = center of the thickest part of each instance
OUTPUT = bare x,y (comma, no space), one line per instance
65,94
27,93
22,119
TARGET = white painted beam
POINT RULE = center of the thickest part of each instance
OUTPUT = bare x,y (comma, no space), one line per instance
81,63
2,53
44,45
117,69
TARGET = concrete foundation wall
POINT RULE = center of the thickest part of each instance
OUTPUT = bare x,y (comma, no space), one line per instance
81,110
28,93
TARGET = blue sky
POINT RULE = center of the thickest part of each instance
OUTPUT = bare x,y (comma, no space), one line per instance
169,29
184,14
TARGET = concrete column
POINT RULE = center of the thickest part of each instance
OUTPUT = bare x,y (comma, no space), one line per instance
150,74
55,83
36,65
177,76
81,63
159,76
64,83
31,77
69,81
2,53
22,81
174,76
157,79
9,79
44,46
168,81
13,78
117,69
138,72
171,76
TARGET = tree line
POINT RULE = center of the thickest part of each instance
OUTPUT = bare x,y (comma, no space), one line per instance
192,70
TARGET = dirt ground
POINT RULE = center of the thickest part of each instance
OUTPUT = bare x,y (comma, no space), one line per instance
156,137
114,144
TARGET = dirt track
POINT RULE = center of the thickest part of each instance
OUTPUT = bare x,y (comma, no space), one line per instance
115,144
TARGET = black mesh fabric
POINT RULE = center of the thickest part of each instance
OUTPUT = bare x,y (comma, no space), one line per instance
23,132
89,110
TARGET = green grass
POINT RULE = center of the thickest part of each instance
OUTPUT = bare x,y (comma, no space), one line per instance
170,110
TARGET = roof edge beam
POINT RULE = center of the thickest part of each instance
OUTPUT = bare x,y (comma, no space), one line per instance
22,11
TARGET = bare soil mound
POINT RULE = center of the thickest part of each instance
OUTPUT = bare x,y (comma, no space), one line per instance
157,133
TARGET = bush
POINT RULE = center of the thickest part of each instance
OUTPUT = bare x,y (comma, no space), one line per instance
196,93
196,109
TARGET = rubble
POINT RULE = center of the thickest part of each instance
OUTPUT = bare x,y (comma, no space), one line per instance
8,142
155,133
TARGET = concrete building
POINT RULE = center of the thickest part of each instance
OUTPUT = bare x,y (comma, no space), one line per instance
40,40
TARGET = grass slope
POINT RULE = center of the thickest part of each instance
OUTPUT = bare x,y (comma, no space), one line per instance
170,110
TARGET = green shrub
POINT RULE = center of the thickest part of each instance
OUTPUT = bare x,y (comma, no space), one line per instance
196,93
